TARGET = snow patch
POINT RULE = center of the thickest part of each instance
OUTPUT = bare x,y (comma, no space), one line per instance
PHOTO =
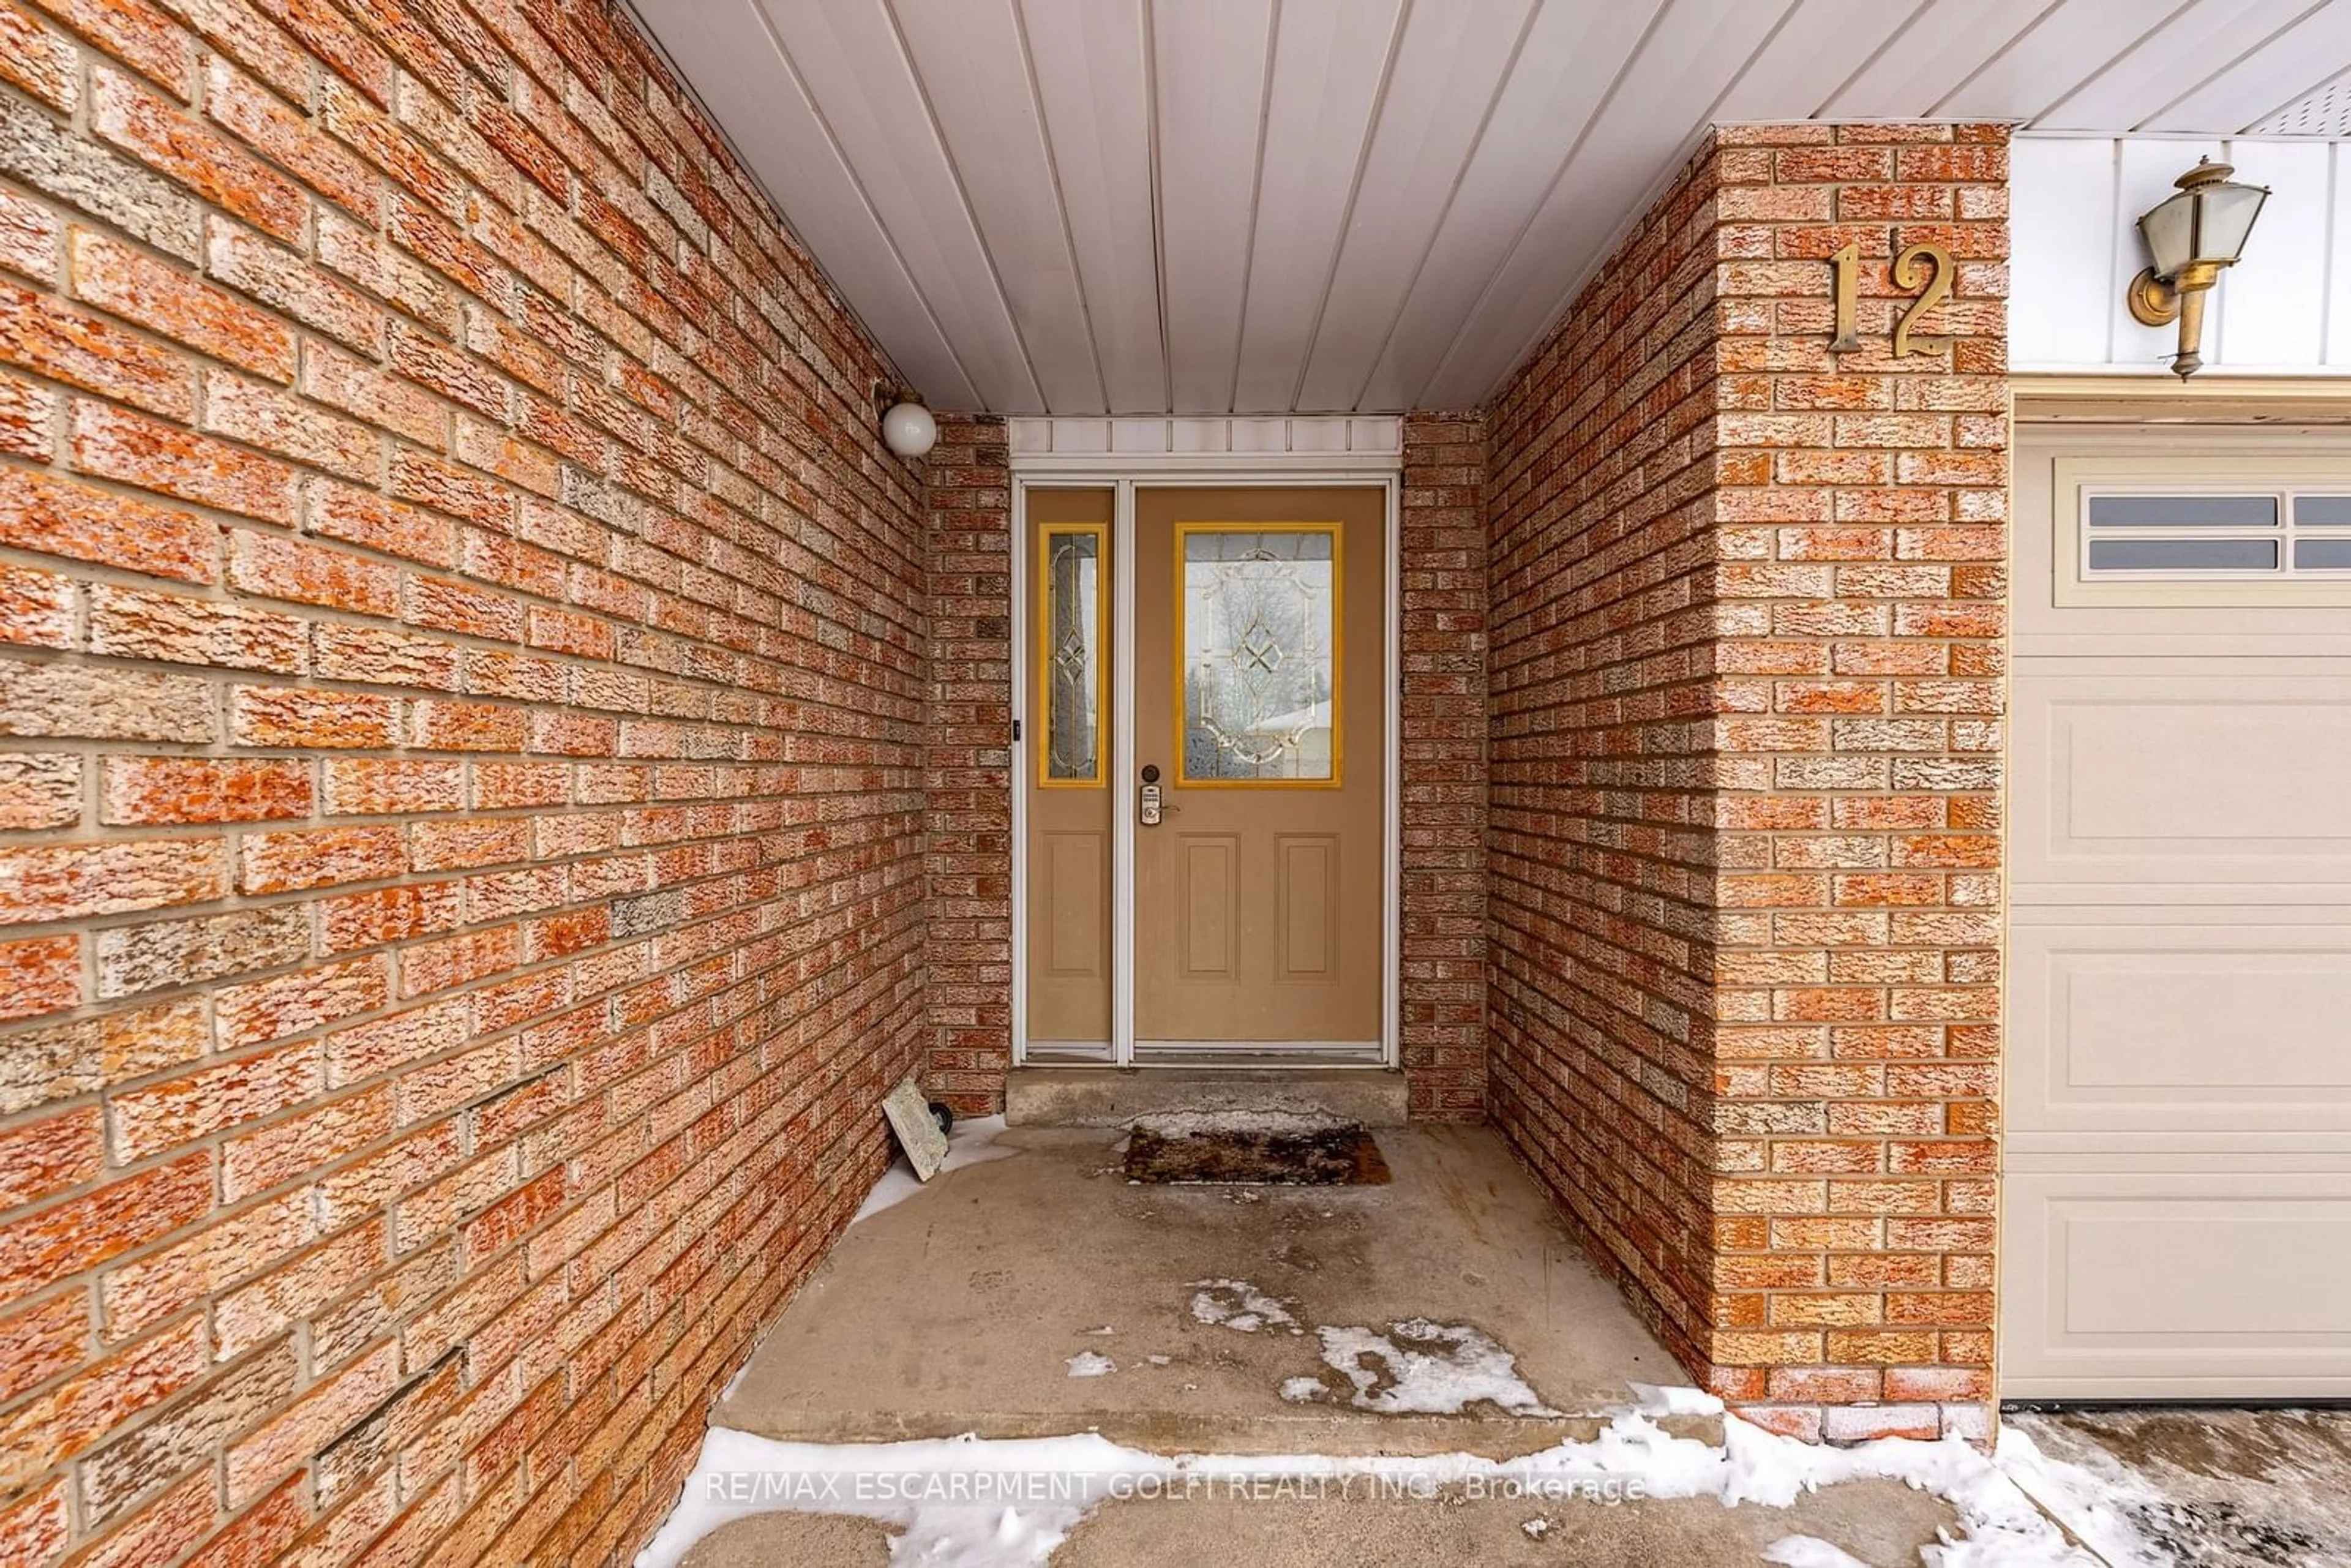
1304,1390
972,1531
2084,1502
1425,1368
1087,1364
932,1486
1238,1305
972,1143
1653,1400
1810,1551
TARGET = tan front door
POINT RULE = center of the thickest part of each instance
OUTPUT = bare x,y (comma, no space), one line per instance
1257,691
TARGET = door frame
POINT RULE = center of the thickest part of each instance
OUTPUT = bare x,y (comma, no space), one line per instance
1124,475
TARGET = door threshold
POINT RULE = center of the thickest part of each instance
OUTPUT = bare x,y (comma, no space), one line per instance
1308,1056
1119,1096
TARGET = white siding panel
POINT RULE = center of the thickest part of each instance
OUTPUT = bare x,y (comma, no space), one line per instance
2272,307
2338,274
2075,205
2060,212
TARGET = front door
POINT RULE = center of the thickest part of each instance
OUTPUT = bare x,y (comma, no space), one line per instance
1253,792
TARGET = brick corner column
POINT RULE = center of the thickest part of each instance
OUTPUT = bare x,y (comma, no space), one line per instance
968,770
1441,569
1859,599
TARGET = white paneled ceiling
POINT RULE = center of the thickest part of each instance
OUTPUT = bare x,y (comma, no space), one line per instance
1271,206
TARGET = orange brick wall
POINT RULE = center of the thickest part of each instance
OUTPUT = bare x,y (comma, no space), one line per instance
1748,612
462,714
968,770
1441,579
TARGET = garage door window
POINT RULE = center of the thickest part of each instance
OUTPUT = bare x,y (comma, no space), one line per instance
2187,538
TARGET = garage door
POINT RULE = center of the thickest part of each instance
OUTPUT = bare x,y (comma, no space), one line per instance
2178,1220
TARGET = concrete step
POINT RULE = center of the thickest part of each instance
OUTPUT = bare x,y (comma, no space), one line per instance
1115,1097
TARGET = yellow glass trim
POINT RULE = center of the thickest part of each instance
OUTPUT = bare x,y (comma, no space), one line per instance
1046,533
1338,657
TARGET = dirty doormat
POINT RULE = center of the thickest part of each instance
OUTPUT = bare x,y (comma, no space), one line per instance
1244,1147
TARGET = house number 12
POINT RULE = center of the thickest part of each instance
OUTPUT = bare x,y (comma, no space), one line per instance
1923,269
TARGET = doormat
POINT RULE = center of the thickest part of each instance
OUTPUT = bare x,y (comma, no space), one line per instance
1253,1148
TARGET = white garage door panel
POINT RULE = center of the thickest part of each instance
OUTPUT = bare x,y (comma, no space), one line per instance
2171,776
2199,1029
2179,1285
2175,1213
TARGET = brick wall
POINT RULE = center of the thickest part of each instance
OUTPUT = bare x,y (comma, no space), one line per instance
461,830
968,545
1747,676
1442,579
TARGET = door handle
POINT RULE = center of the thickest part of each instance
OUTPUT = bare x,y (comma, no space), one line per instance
1148,803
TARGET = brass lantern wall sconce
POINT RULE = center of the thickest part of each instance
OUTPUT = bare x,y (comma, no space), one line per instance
2193,237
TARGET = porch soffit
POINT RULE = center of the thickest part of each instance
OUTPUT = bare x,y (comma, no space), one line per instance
1211,207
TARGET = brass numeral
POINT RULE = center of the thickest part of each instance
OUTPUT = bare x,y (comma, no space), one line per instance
1845,286
1936,287
1922,269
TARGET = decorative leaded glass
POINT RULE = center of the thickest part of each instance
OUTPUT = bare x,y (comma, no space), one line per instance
1072,655
1259,610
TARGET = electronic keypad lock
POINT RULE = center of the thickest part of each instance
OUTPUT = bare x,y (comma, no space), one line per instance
1148,808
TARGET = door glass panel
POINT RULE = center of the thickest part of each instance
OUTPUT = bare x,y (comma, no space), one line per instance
1070,659
1258,612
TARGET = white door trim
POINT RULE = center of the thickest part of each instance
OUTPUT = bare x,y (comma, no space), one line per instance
1124,475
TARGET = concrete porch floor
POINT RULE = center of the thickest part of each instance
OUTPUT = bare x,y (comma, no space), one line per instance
958,1311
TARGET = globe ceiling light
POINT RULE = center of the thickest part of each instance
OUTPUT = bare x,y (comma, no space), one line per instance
907,427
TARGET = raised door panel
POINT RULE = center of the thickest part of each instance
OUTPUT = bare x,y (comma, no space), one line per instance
1209,898
1307,902
2180,779
2135,1285
2194,1026
1078,925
